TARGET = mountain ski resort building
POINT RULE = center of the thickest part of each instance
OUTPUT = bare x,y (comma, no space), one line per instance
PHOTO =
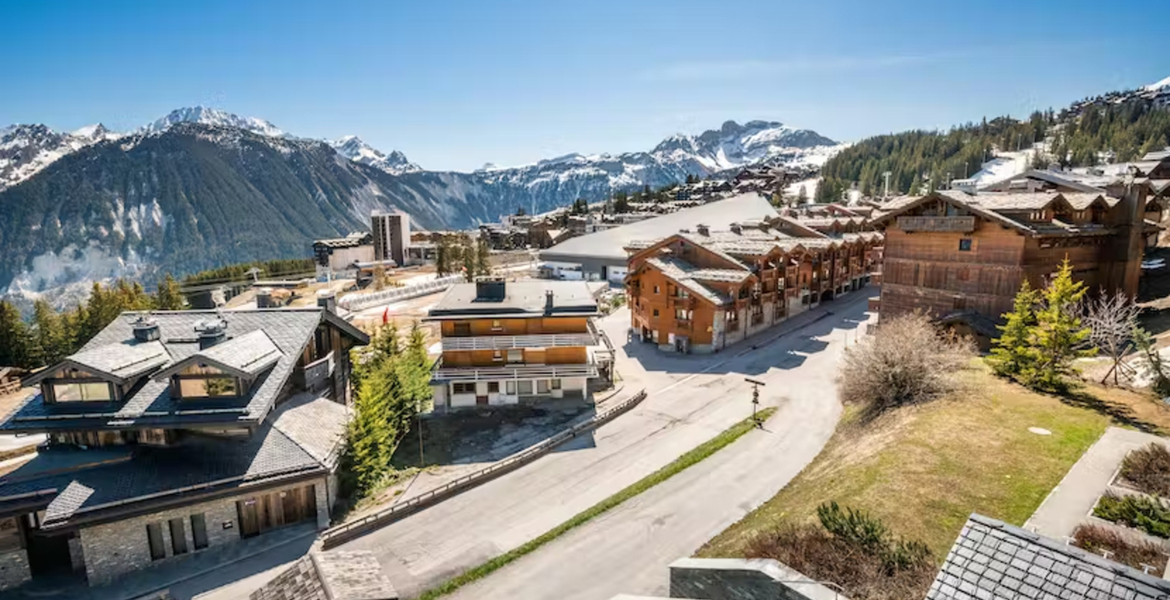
174,433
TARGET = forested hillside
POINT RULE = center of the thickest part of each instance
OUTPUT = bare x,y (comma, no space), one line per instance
917,159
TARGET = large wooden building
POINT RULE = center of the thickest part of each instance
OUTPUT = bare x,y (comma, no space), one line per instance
962,257
700,291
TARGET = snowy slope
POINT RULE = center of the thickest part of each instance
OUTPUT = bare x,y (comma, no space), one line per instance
353,148
1153,87
26,149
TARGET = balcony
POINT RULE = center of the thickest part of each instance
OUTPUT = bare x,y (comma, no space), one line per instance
318,372
507,342
683,324
441,374
946,224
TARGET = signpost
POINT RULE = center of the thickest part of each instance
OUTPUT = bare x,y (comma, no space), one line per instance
755,399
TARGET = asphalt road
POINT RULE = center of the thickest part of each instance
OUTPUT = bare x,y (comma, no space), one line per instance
691,399
628,549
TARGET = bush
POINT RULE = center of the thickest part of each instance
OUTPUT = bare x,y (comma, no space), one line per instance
1140,512
852,550
1148,469
908,361
1096,539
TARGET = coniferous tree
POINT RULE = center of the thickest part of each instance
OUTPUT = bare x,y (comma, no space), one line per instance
168,296
469,262
443,257
1059,337
50,335
1011,353
14,338
483,265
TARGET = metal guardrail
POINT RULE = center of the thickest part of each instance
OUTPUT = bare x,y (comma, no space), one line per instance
345,532
519,371
361,301
507,342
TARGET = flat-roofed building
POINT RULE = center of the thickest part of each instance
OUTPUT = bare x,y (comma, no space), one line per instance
506,342
391,236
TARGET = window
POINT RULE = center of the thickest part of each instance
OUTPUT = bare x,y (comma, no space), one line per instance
82,392
496,326
515,356
463,388
497,355
965,245
510,388
680,314
524,388
155,540
656,312
493,387
178,536
154,437
199,531
683,293
541,386
554,384
655,289
201,386
463,328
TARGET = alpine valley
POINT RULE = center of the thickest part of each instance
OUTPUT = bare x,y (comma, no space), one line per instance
201,187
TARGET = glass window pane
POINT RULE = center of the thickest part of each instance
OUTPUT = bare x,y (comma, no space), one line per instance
81,392
525,387
210,387
510,387
542,386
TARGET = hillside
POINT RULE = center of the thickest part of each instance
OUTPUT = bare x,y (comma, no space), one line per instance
1116,127
201,187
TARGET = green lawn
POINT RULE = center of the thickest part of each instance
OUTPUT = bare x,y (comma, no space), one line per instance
924,469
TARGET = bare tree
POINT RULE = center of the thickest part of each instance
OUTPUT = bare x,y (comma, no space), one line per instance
1112,319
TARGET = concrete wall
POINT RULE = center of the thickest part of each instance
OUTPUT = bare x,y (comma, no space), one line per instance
14,569
112,549
743,579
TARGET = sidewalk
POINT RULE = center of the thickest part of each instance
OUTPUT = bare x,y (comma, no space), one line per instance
1069,503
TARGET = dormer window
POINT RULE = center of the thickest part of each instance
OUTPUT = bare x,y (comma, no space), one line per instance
204,381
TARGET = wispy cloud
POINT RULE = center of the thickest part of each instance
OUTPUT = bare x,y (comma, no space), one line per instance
739,69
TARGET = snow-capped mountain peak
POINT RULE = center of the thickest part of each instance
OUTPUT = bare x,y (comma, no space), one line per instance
353,148
1153,87
212,116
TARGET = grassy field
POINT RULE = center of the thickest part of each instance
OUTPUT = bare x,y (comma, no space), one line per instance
924,469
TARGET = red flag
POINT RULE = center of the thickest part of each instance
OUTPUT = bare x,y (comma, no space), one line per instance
386,316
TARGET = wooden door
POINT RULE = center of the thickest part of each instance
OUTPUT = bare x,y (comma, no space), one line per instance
248,517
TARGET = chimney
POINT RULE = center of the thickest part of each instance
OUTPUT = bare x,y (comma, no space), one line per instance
211,332
548,300
327,300
264,297
703,229
736,228
145,329
490,289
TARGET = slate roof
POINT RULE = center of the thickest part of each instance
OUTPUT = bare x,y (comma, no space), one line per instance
149,402
247,355
681,273
994,560
122,361
303,437
609,245
522,299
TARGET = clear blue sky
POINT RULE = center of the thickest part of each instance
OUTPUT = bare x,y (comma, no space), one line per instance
457,84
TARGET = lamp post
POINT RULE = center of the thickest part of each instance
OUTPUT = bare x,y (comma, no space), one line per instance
755,398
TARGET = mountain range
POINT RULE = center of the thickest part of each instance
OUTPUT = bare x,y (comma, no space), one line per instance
202,187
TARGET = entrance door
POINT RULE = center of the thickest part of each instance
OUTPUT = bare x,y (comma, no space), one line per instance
48,555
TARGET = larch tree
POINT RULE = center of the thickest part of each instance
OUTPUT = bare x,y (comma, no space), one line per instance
14,339
1112,320
168,296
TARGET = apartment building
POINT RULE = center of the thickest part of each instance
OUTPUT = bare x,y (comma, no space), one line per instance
507,342
391,236
701,290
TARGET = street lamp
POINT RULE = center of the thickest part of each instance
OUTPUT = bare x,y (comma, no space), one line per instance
755,398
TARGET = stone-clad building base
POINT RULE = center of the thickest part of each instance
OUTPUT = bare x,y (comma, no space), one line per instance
14,569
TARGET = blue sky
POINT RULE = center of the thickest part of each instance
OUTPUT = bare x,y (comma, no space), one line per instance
457,84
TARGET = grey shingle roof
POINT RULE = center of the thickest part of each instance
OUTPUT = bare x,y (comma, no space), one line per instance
681,273
247,355
994,560
304,436
150,404
122,361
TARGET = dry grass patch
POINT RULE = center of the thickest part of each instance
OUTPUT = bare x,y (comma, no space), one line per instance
1137,554
1147,469
923,469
